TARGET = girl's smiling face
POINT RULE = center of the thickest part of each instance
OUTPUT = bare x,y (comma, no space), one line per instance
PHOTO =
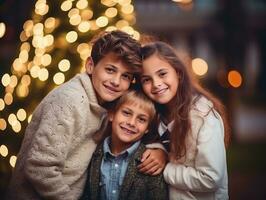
159,80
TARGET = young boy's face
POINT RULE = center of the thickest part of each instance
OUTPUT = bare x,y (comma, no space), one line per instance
110,77
129,123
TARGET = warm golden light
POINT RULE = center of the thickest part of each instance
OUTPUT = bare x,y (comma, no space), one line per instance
64,65
48,40
86,14
26,80
50,23
59,78
111,28
128,29
3,150
71,36
102,21
84,26
94,26
108,3
22,90
18,66
235,78
12,161
25,46
12,119
75,19
43,74
38,29
2,124
121,23
136,35
84,50
73,12
16,127
199,66
2,29
111,12
66,5
2,104
82,4
13,81
6,79
41,8
34,71
23,56
21,114
46,59
29,118
127,9
8,98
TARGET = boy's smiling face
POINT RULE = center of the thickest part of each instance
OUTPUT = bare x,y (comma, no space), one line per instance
110,77
129,123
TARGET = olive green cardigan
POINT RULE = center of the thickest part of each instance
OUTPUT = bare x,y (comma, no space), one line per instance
135,185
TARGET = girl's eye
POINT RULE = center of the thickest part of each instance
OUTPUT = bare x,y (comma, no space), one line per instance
145,80
162,74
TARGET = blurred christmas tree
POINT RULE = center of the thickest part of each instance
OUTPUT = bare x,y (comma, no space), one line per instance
54,47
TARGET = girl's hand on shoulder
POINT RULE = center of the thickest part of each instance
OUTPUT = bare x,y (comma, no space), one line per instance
153,161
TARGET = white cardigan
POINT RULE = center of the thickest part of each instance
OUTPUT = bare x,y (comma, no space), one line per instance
203,174
57,146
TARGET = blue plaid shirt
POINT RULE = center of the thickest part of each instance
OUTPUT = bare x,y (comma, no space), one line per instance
113,170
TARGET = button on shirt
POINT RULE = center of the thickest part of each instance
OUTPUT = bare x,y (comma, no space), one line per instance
163,130
113,170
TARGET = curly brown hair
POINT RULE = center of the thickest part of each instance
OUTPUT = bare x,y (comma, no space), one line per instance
121,44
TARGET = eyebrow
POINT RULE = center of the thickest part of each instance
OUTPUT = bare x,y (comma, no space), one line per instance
157,72
142,115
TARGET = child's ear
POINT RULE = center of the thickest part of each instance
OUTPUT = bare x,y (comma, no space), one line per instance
146,131
89,65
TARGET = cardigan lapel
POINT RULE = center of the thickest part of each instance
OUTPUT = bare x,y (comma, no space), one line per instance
131,172
95,171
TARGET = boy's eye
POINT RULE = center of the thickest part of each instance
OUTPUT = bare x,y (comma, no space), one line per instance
125,112
128,77
142,120
109,70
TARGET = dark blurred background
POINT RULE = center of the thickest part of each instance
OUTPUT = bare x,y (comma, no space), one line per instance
223,40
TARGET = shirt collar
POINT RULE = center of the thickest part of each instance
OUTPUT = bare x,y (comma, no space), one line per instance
128,152
163,127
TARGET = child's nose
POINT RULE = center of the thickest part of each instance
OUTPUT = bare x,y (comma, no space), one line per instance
157,82
131,121
115,80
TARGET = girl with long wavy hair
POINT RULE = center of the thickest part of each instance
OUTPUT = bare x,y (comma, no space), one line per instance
192,125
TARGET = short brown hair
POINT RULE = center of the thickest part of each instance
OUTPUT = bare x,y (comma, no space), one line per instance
121,44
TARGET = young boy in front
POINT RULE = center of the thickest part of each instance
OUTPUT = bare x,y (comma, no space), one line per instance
57,146
113,172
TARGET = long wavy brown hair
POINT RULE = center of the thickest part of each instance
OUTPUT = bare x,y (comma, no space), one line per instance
188,93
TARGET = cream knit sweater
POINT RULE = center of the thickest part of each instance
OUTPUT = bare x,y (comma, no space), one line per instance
57,146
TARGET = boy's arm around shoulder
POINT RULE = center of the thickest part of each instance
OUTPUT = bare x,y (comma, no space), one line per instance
51,130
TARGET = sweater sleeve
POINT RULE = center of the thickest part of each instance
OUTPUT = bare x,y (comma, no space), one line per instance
210,161
53,126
